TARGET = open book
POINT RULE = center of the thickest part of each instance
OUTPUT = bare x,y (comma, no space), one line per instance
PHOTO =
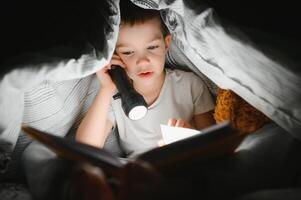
172,134
213,142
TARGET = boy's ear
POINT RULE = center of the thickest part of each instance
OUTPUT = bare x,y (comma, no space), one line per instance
167,41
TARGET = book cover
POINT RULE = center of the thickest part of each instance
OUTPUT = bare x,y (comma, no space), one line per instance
215,141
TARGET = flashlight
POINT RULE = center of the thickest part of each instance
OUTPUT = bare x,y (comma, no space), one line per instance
133,103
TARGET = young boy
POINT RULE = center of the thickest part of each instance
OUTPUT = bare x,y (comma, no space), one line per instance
175,97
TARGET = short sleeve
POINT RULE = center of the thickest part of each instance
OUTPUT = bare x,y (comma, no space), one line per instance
111,115
202,99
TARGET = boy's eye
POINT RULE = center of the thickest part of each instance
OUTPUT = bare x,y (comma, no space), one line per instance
127,52
153,47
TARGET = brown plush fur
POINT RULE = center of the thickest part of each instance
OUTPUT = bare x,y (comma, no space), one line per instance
241,115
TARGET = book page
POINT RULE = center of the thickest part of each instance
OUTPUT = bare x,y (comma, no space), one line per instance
172,134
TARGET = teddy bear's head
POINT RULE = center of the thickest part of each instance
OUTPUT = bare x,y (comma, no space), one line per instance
243,116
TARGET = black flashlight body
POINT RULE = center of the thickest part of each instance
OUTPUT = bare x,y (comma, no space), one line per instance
133,103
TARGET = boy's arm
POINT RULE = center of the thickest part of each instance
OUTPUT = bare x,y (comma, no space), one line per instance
200,121
95,126
203,120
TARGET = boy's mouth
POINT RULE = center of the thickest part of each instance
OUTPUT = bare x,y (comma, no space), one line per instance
145,74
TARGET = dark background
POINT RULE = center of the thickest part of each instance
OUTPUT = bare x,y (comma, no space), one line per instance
277,17
35,25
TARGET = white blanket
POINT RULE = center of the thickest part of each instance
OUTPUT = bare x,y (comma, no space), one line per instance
51,95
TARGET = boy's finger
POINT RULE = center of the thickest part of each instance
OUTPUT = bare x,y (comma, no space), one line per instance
171,122
117,62
116,57
180,123
161,143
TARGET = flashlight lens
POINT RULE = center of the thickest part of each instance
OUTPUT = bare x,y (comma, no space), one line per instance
137,112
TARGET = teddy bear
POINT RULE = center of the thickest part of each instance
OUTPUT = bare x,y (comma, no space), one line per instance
240,114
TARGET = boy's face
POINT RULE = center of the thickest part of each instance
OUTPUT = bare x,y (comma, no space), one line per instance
142,47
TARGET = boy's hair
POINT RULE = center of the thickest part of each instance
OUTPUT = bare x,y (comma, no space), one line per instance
132,14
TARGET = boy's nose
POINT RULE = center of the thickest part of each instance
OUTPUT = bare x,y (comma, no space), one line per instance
142,61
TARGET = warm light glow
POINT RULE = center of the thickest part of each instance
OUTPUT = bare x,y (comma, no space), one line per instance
137,112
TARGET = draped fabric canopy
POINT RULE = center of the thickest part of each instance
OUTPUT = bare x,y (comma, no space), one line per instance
47,87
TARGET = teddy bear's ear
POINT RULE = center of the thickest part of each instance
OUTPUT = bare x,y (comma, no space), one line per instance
240,113
224,107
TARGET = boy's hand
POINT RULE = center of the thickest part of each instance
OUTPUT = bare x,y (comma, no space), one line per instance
103,75
179,123
161,143
175,123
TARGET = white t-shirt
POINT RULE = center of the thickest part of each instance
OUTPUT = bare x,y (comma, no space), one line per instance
183,95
